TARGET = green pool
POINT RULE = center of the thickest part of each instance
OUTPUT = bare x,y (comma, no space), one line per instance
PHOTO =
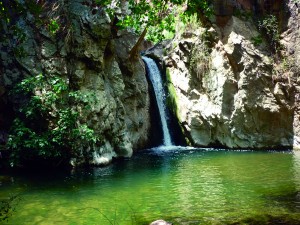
184,186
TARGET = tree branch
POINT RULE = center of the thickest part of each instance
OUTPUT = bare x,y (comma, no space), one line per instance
133,54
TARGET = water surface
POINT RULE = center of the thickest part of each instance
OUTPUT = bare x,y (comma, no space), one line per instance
184,186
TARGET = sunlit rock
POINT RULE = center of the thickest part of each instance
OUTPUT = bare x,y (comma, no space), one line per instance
94,62
227,97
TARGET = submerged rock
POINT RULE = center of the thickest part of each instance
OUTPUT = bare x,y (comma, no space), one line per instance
160,222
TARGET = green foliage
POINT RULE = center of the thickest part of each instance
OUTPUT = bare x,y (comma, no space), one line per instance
191,21
47,125
296,1
269,25
159,16
7,207
165,29
156,15
53,26
257,40
187,23
172,99
194,6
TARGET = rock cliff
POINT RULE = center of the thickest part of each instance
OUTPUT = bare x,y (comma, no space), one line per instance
227,87
92,55
231,91
290,39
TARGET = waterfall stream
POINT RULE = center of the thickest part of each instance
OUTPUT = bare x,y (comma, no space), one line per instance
154,75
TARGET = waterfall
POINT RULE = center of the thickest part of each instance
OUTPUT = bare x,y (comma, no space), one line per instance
154,75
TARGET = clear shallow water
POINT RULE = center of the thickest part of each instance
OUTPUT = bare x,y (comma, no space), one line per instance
184,186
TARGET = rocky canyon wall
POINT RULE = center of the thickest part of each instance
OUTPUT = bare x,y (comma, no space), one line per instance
92,56
231,91
227,88
290,39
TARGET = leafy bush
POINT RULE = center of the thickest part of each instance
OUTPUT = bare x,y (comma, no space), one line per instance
269,25
53,26
159,16
47,124
257,40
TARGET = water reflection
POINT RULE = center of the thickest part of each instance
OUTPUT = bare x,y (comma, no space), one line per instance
202,191
182,185
296,167
296,161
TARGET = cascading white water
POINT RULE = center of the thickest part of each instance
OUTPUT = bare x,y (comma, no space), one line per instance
156,80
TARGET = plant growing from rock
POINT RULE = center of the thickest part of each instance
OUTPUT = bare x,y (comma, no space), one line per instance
200,61
270,27
53,26
257,40
187,24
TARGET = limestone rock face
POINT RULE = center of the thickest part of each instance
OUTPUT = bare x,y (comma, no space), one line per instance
290,39
226,95
94,59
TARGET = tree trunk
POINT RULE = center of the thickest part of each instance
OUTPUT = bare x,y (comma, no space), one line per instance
134,52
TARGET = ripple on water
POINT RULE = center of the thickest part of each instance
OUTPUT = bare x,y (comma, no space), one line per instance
180,184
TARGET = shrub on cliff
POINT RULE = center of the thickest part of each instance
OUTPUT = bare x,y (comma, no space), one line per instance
47,125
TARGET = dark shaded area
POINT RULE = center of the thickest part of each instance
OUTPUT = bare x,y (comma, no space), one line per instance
173,123
175,130
290,201
67,177
268,219
224,10
6,117
36,163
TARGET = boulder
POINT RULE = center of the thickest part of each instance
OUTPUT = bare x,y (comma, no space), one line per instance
160,222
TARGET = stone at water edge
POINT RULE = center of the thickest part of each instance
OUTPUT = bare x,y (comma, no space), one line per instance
160,222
